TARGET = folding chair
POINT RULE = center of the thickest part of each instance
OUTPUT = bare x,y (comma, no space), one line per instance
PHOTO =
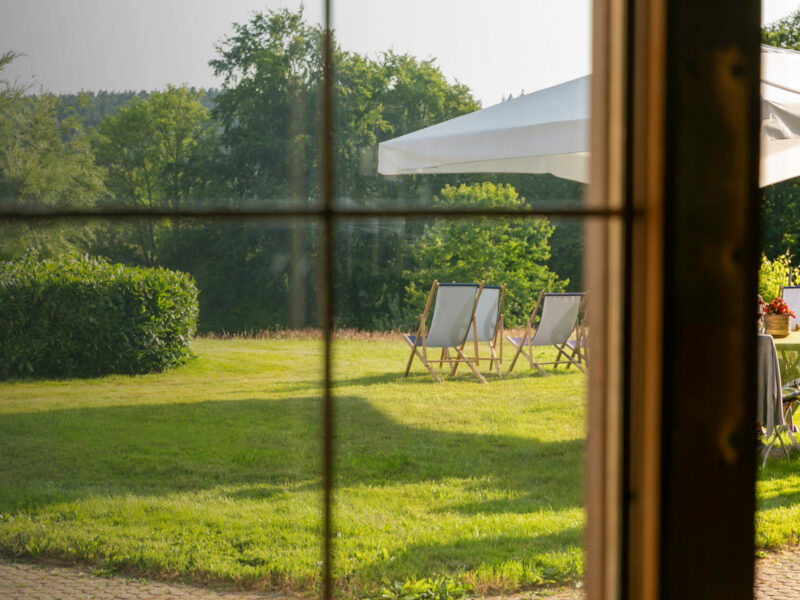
580,345
453,315
488,326
557,323
791,295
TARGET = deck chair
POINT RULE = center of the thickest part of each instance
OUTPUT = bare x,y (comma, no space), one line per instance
557,323
791,295
488,327
579,346
453,316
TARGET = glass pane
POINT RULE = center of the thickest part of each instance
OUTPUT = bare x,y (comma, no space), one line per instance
478,486
208,469
406,70
160,106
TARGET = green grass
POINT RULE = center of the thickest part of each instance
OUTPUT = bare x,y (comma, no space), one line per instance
211,471
778,500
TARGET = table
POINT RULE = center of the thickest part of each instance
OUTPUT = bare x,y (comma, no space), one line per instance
789,354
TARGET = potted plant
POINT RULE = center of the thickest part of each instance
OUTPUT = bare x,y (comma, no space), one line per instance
776,318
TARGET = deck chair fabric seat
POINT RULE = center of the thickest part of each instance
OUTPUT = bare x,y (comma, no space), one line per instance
557,322
791,295
488,326
453,316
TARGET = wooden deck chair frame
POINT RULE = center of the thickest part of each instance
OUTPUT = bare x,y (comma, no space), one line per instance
580,345
527,338
420,341
495,357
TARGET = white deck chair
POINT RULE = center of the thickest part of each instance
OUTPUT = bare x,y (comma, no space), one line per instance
488,326
791,295
453,316
557,323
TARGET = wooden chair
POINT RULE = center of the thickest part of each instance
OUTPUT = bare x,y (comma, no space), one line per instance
453,316
557,323
580,344
488,327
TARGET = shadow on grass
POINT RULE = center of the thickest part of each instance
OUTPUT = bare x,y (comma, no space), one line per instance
522,561
462,376
266,447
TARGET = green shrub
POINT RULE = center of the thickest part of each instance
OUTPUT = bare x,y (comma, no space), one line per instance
774,274
84,317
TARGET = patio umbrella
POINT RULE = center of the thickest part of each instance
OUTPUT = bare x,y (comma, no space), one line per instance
548,132
780,115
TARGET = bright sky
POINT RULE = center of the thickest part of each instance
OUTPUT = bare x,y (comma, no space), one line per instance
495,47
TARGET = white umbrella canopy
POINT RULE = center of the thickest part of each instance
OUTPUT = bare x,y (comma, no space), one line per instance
548,132
780,115
543,132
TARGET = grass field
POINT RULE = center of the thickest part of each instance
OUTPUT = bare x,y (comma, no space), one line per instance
210,472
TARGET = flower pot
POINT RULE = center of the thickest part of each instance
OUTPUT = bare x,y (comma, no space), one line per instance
776,325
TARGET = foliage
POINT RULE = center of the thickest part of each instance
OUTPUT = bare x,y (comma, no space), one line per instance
780,210
783,33
269,116
45,163
81,317
430,588
260,145
93,107
151,150
511,251
774,274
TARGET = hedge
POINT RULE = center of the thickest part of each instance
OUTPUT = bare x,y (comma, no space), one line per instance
84,317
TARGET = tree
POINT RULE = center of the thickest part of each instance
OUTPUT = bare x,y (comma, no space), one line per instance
783,33
150,149
513,251
269,113
45,163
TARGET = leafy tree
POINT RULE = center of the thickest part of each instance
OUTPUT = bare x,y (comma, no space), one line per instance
783,33
269,113
150,149
45,163
93,107
513,251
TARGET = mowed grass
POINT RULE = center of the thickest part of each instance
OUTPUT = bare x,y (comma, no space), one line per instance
211,472
778,502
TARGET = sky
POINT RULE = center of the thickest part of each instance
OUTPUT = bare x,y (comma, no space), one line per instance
496,48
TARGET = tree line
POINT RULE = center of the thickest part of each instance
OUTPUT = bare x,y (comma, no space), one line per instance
254,143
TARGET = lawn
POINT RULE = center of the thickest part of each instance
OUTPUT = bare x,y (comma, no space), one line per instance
210,472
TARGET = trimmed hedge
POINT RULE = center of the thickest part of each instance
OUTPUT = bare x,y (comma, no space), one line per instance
84,317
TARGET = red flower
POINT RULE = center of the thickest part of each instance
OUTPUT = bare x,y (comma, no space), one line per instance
778,307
